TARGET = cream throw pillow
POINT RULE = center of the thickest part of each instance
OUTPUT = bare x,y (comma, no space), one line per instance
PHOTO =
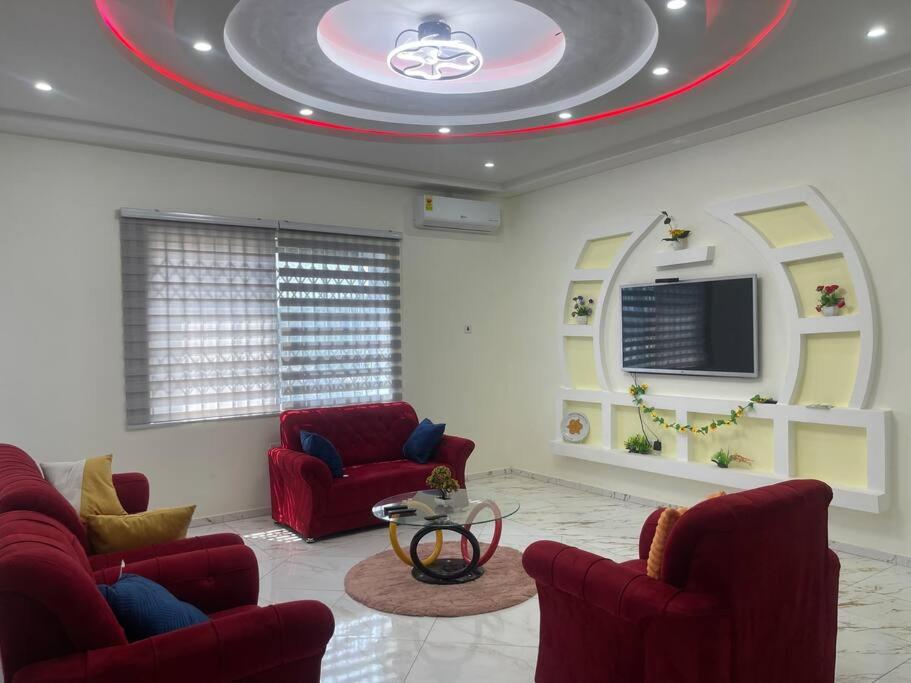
86,484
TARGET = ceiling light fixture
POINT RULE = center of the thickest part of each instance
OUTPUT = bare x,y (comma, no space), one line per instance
306,112
877,32
565,115
676,4
489,164
661,71
445,130
436,55
202,46
43,86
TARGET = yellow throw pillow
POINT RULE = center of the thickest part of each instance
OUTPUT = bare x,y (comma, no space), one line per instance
669,517
117,533
86,484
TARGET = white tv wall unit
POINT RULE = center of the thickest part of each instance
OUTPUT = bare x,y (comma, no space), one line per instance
784,415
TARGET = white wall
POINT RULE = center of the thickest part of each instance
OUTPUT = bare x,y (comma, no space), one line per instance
61,363
858,155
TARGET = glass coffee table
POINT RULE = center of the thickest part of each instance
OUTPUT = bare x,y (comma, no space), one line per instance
433,515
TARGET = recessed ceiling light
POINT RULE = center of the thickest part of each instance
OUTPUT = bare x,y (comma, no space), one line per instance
877,32
489,164
444,130
306,111
43,86
565,115
202,46
676,4
661,71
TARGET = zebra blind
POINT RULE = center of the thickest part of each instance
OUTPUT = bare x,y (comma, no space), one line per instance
339,319
227,321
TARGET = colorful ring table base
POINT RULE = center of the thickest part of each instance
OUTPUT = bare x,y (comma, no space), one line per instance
448,570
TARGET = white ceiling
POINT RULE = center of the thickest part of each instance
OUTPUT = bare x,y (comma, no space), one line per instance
818,57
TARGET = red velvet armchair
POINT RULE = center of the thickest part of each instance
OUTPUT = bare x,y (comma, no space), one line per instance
369,439
57,627
22,487
748,593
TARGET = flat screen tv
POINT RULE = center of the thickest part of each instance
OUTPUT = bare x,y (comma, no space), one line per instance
692,327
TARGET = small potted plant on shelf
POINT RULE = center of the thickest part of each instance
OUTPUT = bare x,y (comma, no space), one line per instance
442,480
582,308
638,443
676,236
724,459
831,300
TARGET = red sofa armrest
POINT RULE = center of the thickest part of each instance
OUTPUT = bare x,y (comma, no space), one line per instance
617,589
453,451
184,545
647,533
133,491
214,579
312,470
277,643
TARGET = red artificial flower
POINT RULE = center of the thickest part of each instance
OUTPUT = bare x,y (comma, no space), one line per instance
819,309
819,288
831,288
841,303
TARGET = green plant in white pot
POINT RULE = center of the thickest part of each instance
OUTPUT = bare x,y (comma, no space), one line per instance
582,309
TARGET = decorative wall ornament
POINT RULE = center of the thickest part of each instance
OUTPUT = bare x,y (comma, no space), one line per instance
637,391
575,427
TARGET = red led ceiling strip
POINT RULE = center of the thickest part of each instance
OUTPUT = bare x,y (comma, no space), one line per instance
107,17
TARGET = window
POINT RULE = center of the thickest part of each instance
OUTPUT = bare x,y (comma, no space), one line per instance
225,320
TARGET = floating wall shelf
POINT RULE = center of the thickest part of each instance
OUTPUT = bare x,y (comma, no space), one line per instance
694,256
846,446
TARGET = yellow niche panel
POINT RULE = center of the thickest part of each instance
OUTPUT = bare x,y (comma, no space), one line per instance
788,225
751,436
829,368
625,423
601,253
827,270
593,412
836,455
580,362
587,288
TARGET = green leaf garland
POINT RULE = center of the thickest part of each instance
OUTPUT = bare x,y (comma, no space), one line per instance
637,391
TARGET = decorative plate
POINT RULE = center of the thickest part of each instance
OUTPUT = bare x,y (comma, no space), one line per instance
575,427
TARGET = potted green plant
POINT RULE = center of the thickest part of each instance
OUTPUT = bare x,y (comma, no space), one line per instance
676,236
582,308
724,459
442,480
638,443
831,300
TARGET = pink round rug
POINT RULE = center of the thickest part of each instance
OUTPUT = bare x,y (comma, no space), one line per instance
384,583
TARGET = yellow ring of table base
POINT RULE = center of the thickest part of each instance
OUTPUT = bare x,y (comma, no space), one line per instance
404,556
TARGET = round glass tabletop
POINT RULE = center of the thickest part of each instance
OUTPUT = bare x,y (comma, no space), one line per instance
463,507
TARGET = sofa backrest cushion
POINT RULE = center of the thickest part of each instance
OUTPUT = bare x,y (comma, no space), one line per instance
50,604
759,552
22,487
365,433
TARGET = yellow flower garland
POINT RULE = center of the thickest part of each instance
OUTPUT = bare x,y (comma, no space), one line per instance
637,391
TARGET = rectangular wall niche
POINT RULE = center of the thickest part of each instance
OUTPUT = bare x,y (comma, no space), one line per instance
752,437
625,423
834,454
829,368
587,288
593,412
788,225
600,253
826,270
580,362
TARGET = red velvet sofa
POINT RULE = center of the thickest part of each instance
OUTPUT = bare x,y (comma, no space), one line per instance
369,438
748,593
22,487
57,628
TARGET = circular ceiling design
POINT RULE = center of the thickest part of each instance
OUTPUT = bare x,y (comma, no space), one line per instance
523,62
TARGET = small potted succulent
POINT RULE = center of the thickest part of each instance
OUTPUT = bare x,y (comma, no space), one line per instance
442,480
724,459
582,308
831,300
638,443
676,236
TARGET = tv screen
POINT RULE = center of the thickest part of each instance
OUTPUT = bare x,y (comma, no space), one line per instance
695,327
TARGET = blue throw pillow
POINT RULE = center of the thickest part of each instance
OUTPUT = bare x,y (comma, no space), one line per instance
145,608
320,447
423,440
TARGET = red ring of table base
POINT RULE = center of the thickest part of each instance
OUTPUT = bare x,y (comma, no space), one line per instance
497,528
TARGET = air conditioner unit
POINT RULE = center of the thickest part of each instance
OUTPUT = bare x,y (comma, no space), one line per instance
446,213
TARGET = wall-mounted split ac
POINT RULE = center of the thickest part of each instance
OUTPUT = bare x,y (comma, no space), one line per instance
446,213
